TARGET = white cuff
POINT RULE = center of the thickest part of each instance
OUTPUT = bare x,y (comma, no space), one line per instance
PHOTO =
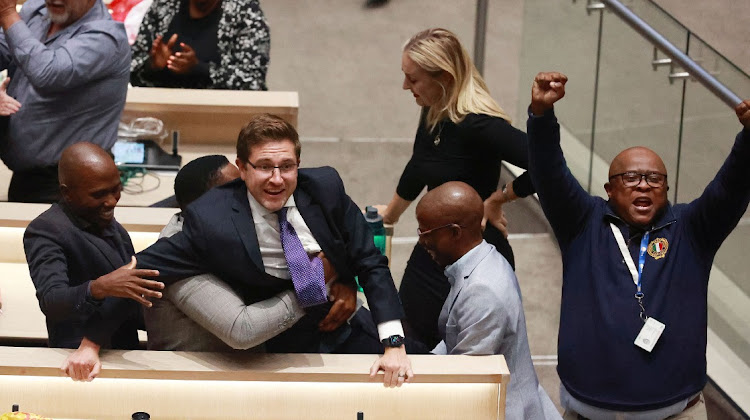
389,328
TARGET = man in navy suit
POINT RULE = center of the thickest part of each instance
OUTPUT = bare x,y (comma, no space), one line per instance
74,250
233,231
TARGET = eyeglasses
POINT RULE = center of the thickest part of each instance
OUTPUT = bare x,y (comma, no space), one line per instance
421,232
632,179
267,169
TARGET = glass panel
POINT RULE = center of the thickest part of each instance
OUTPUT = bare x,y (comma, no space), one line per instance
561,36
636,105
710,127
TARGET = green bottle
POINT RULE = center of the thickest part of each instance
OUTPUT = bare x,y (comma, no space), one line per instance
375,221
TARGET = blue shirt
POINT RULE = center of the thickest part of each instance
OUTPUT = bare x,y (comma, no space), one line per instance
71,86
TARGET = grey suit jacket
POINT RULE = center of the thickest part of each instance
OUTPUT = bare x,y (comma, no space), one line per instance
203,313
482,315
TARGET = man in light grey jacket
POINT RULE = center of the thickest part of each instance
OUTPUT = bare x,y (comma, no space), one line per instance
483,313
203,313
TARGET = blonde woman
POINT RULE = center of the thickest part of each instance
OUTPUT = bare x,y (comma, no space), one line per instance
463,135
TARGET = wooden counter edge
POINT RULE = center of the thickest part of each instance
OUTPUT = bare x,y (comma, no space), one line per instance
139,364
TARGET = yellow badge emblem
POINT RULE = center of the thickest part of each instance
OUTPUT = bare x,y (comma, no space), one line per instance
658,248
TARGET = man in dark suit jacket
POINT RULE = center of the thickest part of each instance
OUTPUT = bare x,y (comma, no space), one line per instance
74,250
233,232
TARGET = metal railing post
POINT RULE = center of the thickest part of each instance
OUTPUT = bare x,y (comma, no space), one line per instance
680,58
480,34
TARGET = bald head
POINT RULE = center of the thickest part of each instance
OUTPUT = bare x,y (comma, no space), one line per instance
453,211
636,155
637,204
81,158
89,183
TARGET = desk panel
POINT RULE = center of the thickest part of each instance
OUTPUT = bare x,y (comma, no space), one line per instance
182,385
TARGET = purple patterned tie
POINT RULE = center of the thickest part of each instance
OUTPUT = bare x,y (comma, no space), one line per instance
307,274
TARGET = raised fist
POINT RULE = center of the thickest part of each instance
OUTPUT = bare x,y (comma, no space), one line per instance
547,89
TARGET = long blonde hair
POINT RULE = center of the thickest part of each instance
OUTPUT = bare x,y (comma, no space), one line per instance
436,50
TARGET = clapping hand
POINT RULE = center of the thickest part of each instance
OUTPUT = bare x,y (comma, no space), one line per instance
161,51
547,89
184,61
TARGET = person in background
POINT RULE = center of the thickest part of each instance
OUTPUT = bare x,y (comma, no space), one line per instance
483,313
68,64
83,266
463,135
202,313
202,44
632,340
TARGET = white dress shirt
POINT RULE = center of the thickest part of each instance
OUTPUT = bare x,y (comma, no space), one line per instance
269,240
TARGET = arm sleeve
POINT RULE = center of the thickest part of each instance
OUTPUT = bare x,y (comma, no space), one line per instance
510,144
717,211
93,53
48,268
410,184
482,322
178,256
244,54
364,260
565,203
215,306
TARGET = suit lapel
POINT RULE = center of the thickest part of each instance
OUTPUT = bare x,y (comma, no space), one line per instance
316,221
112,255
242,218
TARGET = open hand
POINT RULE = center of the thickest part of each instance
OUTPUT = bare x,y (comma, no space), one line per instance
161,51
184,61
396,366
547,89
8,104
83,364
128,282
743,112
493,213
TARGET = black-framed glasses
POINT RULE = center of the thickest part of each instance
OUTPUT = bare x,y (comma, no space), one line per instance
632,179
421,232
267,169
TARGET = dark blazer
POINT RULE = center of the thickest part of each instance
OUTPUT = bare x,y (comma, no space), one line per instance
63,256
219,237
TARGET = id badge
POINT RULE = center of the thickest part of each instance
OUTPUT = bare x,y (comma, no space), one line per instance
649,334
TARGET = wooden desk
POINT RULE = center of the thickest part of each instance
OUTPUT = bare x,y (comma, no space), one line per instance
134,219
182,385
208,115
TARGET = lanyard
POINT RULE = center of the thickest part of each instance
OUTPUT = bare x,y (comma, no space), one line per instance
636,273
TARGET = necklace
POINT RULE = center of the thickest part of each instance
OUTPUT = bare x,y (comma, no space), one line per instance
437,138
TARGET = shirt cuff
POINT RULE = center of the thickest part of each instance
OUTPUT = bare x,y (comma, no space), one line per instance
548,113
389,328
90,298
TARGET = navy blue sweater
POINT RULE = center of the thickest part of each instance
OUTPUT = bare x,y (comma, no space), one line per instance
598,362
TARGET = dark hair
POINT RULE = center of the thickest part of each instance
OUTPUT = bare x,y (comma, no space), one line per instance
197,177
262,129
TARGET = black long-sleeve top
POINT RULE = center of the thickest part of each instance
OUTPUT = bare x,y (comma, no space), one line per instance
470,151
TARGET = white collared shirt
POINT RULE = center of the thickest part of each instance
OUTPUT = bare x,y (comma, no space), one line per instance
269,236
269,240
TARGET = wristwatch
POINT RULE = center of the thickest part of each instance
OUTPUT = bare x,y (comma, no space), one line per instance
393,341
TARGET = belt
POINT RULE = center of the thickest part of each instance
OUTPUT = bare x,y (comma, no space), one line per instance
690,403
694,401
